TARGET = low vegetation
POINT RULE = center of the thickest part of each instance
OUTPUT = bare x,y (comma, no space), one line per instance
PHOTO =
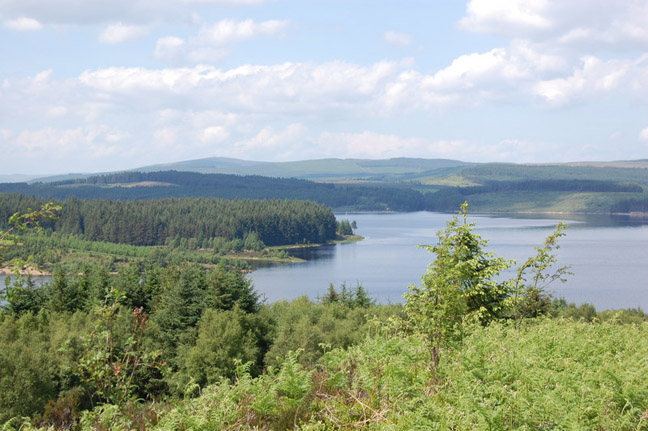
178,347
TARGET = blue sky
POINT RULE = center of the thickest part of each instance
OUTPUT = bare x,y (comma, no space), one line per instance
96,85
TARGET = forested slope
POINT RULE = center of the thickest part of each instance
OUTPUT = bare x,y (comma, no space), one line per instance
155,185
153,222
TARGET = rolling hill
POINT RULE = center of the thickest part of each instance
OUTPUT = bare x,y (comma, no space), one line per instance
400,184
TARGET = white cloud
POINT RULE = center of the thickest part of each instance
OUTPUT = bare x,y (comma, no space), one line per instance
84,12
23,24
269,144
592,78
397,39
228,31
209,45
369,144
169,48
120,33
90,142
643,135
166,139
496,16
296,88
293,111
472,79
555,22
213,134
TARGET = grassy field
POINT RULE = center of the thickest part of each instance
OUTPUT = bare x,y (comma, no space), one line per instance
546,202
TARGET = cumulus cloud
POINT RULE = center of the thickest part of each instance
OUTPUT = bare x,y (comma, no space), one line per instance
84,12
272,144
304,92
592,78
293,110
397,39
23,24
369,144
229,31
209,45
507,16
120,33
297,88
213,134
551,22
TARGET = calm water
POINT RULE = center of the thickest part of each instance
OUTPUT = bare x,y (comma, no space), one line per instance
609,257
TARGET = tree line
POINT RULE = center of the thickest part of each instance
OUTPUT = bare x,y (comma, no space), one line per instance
450,197
406,196
152,222
124,186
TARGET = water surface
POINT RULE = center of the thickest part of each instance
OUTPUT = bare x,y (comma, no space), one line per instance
609,257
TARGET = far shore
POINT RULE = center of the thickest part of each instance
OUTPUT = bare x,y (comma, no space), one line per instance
29,270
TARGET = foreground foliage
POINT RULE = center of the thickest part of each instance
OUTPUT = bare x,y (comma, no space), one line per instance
544,374
181,348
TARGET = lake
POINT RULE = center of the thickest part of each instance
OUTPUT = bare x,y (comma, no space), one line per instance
608,254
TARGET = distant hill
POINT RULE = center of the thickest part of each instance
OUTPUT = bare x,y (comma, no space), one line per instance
210,165
400,184
444,172
174,184
327,170
17,178
320,169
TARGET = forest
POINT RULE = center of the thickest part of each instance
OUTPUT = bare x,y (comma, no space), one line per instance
488,188
179,346
153,222
172,184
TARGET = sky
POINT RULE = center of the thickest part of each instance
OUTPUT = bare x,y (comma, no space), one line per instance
105,85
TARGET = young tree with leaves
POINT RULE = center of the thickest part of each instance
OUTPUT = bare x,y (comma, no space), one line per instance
529,296
459,286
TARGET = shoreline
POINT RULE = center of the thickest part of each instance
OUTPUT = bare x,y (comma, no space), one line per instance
29,270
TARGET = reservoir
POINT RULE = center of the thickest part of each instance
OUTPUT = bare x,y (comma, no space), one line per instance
608,256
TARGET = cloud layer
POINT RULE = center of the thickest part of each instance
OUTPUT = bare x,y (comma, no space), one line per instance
549,59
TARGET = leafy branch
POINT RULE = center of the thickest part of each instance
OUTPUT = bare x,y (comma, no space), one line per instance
21,222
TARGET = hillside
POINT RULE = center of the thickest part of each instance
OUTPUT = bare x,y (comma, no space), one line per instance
498,187
322,169
399,184
317,170
173,184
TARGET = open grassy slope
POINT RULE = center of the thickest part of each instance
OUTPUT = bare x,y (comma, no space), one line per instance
321,169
